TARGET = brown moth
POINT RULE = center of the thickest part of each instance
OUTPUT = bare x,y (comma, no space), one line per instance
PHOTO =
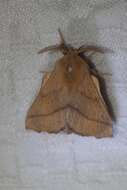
70,97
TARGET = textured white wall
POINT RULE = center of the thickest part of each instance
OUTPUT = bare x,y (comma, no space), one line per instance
41,161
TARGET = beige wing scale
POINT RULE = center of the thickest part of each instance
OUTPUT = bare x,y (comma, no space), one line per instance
43,114
87,115
90,116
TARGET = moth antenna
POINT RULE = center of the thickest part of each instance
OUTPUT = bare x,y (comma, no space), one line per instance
54,47
84,49
50,48
61,47
61,36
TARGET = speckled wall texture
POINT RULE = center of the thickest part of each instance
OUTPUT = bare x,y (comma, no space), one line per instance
29,160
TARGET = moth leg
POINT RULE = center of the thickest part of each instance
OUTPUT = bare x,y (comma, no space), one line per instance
45,78
96,82
45,72
90,55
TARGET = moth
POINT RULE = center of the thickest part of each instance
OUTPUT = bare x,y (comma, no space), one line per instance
70,98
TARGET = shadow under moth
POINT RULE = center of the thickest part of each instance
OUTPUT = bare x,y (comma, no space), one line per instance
70,98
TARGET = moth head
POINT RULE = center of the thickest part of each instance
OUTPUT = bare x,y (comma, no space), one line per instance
66,48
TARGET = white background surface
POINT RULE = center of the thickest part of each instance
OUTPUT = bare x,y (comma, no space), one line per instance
29,160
